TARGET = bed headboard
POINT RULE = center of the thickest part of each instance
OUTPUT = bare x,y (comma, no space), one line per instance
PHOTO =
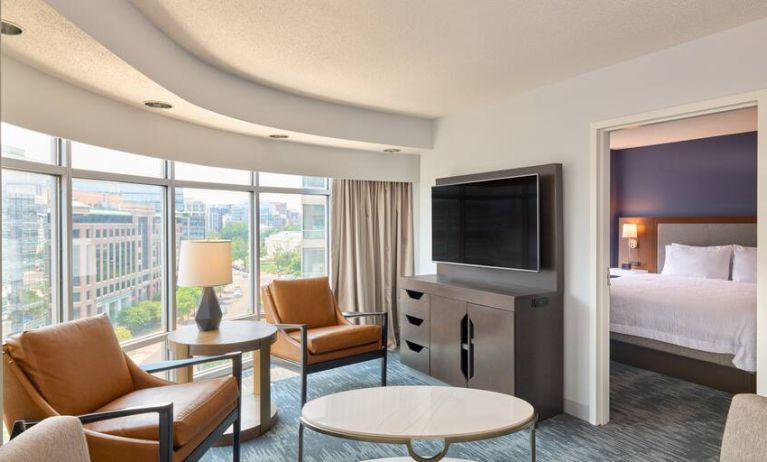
654,233
703,234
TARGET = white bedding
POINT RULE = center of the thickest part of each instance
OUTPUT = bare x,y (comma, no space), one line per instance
710,315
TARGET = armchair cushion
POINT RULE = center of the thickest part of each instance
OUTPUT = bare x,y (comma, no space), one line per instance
304,301
197,408
333,338
94,372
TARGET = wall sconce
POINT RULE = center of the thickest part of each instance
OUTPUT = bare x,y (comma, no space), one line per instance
630,232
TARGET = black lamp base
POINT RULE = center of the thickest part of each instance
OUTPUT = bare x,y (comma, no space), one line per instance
208,316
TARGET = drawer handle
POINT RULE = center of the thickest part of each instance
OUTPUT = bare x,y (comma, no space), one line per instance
414,346
414,294
413,320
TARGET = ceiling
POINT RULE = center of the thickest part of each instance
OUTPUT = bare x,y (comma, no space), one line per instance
54,45
431,57
365,74
692,128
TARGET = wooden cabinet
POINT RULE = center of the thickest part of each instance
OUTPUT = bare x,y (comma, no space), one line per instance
491,337
446,340
508,340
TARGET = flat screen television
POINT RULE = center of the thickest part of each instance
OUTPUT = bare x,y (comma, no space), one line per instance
492,223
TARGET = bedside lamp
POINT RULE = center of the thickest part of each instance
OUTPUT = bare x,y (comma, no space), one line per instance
206,264
630,232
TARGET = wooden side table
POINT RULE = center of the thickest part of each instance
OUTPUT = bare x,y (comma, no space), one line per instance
258,411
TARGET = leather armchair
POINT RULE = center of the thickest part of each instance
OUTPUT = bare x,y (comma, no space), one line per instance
314,335
78,368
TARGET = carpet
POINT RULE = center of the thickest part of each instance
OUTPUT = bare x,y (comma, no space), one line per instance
653,418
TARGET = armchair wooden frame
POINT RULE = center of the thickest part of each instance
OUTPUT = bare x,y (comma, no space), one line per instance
304,368
165,411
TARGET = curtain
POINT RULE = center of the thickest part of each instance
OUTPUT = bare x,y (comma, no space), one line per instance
372,245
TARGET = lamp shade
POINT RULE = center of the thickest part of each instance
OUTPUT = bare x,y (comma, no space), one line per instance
629,230
205,263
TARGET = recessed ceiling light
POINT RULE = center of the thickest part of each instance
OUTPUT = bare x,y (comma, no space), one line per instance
392,150
9,28
157,104
279,137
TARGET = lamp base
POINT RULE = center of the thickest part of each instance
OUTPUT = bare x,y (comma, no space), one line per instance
208,316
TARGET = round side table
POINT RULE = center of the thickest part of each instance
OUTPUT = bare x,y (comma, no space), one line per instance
258,411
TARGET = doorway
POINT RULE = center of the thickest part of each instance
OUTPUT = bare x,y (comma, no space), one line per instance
601,233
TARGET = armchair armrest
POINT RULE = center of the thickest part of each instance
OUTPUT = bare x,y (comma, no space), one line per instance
164,411
384,323
303,340
235,357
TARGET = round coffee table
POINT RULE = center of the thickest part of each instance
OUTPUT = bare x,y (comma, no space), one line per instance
403,415
258,411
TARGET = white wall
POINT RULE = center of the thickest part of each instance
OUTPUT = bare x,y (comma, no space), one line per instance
35,100
551,124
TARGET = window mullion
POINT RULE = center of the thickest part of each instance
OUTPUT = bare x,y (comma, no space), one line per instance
64,224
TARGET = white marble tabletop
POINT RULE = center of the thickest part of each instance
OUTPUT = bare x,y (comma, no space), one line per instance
400,413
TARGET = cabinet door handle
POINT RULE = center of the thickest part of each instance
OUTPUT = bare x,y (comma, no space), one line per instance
471,348
464,346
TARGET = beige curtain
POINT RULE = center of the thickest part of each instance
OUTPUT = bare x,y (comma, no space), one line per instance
372,245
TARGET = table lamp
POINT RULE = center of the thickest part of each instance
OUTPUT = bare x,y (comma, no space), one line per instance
630,233
206,264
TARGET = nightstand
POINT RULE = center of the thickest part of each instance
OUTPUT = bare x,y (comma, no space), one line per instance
618,272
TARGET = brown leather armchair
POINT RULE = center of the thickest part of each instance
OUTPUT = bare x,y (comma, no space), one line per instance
78,368
314,335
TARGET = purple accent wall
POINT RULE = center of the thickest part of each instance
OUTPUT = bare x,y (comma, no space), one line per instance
711,176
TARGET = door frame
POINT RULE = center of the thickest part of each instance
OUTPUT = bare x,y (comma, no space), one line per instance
599,235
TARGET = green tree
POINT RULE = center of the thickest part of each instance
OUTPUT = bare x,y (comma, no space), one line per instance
186,300
288,262
141,317
237,232
123,333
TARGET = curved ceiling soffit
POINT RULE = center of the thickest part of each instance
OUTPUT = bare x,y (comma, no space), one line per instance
121,28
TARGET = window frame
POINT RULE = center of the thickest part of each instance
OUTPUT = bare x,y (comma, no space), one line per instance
62,242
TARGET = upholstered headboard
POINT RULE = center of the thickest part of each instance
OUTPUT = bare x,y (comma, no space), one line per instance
654,233
703,234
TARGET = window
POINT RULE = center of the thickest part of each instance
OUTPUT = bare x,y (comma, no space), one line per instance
280,180
22,144
293,236
216,214
136,310
194,172
29,220
87,157
120,229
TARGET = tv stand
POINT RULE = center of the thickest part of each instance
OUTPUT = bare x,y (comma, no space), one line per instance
494,329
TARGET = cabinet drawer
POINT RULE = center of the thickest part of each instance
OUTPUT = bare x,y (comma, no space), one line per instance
414,329
414,303
415,356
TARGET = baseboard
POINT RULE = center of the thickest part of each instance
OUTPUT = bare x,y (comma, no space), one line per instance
576,409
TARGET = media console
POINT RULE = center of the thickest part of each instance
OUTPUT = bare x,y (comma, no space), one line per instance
490,328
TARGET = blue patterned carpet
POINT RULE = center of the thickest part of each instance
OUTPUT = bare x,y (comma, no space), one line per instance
654,418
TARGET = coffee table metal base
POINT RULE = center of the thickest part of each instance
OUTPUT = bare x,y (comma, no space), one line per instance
532,425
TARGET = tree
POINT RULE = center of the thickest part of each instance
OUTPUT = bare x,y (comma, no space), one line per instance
288,262
186,300
141,317
122,333
237,232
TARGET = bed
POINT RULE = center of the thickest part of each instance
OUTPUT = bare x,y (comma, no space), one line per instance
700,330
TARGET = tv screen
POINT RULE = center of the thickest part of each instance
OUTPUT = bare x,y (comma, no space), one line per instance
487,223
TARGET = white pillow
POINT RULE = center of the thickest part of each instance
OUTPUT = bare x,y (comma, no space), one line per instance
744,264
698,262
